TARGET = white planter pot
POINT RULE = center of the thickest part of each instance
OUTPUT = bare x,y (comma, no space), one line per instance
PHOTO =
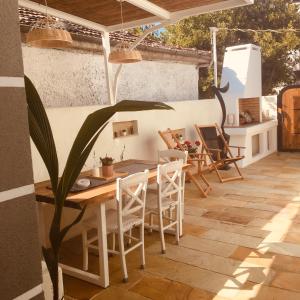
47,284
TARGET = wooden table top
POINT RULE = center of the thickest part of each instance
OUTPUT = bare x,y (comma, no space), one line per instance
98,194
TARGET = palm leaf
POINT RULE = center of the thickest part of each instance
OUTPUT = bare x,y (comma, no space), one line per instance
41,133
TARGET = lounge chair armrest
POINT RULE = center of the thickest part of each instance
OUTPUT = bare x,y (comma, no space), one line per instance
214,150
198,154
195,159
238,147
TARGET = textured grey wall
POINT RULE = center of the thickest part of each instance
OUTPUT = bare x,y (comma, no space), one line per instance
73,78
20,251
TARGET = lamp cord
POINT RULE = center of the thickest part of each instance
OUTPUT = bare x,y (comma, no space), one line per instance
47,16
122,20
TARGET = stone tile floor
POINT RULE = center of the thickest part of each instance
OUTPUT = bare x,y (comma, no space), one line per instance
242,242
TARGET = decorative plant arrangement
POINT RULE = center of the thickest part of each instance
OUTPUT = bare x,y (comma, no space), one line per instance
42,136
187,145
107,166
106,161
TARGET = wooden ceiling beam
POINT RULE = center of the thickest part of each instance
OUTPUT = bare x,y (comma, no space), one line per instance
159,14
151,8
209,8
182,14
62,15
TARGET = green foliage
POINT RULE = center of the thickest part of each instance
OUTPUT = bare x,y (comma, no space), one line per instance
41,134
277,48
138,31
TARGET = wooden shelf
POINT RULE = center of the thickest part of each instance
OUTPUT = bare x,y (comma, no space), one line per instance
125,129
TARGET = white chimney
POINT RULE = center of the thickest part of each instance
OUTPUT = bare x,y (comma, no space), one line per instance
242,69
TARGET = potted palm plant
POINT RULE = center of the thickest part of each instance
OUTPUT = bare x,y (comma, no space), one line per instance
41,134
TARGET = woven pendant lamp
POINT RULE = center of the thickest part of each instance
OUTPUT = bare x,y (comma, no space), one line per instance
49,32
122,54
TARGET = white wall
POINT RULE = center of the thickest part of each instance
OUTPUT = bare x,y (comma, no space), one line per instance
66,122
269,103
74,78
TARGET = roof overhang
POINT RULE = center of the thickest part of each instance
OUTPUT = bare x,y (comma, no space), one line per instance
104,15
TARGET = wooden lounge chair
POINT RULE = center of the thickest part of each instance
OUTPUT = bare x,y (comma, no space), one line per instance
170,137
218,150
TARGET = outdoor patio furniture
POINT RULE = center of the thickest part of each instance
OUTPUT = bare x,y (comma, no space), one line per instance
171,155
98,197
169,181
130,213
218,151
170,137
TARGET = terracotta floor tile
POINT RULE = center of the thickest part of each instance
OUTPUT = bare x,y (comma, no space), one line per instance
226,226
227,217
227,266
253,256
163,289
262,292
232,238
292,237
190,229
78,289
208,246
114,293
287,281
277,262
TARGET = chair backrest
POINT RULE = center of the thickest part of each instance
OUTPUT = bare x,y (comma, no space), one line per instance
169,180
171,155
209,136
168,136
131,195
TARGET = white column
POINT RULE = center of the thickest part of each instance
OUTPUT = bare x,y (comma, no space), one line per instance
108,68
213,32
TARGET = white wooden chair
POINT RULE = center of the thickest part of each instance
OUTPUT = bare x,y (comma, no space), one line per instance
169,191
130,213
171,155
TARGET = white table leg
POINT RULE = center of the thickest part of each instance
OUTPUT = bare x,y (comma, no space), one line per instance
103,278
102,246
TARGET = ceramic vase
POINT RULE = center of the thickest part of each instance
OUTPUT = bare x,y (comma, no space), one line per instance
108,171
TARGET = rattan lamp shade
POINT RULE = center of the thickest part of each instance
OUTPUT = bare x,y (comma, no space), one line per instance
49,38
124,56
49,32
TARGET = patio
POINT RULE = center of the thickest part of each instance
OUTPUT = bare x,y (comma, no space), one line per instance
241,243
237,236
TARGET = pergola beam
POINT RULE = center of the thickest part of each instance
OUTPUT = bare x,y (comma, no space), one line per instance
133,24
179,15
151,8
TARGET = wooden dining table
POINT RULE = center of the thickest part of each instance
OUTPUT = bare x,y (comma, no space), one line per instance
97,196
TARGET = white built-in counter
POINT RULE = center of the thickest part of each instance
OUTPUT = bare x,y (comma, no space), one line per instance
260,140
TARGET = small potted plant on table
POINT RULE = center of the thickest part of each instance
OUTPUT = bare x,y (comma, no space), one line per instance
107,166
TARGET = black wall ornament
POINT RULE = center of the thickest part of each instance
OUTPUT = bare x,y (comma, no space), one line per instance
218,92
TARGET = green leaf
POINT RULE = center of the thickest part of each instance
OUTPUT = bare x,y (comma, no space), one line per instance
65,230
41,133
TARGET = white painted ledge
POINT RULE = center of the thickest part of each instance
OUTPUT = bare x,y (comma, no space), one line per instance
251,129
